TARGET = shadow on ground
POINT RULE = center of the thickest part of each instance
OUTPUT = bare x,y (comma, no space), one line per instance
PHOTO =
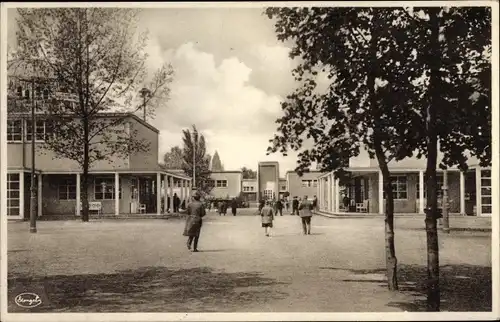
148,289
463,287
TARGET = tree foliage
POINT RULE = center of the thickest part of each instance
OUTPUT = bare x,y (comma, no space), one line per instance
248,173
174,159
96,62
216,163
194,149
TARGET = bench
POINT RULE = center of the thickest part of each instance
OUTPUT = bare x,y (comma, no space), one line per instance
93,206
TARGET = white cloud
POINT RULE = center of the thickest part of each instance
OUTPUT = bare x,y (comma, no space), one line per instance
236,117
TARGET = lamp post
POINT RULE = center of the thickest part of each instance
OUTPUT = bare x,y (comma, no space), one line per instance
194,165
33,134
145,93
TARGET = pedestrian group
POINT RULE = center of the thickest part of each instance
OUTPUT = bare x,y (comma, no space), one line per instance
267,210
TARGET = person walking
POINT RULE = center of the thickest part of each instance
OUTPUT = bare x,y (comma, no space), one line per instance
220,207
224,207
315,203
305,214
267,217
279,207
176,203
295,206
287,205
234,206
195,212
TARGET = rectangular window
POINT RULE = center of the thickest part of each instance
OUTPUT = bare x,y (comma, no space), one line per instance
399,187
104,188
268,194
14,130
221,183
315,183
39,130
67,188
486,192
306,183
13,194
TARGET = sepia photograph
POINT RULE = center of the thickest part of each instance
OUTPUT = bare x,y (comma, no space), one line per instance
249,161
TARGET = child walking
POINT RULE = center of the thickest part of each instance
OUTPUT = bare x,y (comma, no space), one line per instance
267,215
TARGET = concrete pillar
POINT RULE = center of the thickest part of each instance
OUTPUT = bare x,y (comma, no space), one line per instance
421,201
39,195
337,196
171,204
158,193
330,193
462,193
478,192
21,194
380,193
182,190
334,196
165,187
117,194
78,195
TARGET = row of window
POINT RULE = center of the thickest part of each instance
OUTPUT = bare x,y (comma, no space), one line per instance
16,129
104,188
219,183
26,93
309,183
249,189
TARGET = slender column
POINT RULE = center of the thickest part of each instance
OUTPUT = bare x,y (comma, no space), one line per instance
39,192
165,188
330,193
182,190
478,192
421,201
318,192
337,196
171,203
380,193
78,195
462,193
158,193
21,194
117,194
334,196
321,195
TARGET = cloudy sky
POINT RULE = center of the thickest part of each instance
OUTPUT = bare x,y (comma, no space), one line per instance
230,75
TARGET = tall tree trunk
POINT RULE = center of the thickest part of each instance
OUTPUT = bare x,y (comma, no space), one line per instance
85,176
433,292
390,249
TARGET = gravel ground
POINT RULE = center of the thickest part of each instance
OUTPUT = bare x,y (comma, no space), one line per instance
143,265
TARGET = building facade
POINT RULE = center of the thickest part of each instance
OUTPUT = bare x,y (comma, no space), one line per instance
249,189
469,193
268,179
305,185
120,185
226,184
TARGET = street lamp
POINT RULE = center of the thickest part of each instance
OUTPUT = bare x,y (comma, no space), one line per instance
145,93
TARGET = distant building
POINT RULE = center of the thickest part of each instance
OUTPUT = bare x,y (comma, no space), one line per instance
305,185
469,193
249,189
226,184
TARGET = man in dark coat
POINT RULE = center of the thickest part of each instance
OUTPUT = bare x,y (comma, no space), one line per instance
195,212
234,206
315,203
295,206
176,203
279,207
305,215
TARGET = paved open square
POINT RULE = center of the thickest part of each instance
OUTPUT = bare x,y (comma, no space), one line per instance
144,265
